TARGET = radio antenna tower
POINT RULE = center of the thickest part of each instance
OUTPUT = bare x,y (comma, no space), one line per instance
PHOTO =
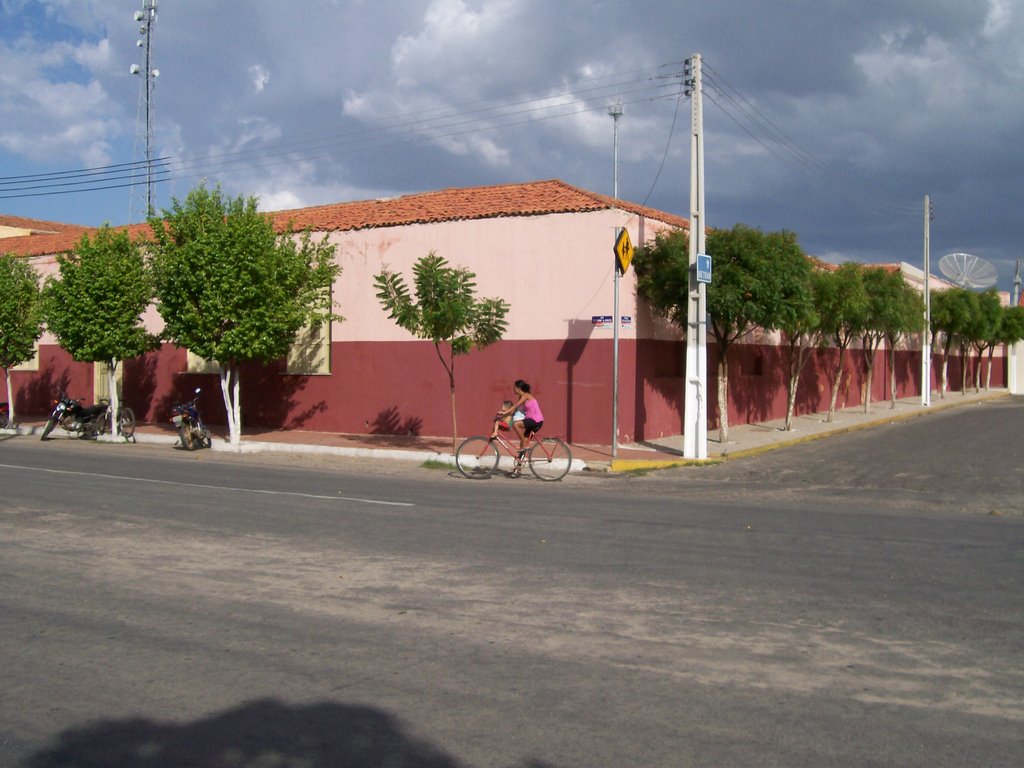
146,18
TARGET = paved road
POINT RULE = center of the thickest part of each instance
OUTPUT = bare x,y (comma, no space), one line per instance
853,602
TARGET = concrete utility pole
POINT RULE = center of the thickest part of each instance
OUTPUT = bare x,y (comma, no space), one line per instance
616,112
695,425
926,337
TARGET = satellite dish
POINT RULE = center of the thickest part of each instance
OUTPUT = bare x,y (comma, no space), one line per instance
968,271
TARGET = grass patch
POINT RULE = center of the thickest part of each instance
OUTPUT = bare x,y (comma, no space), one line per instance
435,464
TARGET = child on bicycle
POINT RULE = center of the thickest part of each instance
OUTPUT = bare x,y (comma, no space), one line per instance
502,419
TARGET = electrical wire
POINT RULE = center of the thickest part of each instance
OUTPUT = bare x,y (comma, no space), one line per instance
433,125
773,139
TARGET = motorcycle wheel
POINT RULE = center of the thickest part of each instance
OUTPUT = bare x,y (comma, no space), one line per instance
185,434
48,428
91,428
3,421
206,439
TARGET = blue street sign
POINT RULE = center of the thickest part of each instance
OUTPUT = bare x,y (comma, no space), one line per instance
703,268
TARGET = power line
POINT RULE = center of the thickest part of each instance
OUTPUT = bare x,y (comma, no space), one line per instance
434,124
744,113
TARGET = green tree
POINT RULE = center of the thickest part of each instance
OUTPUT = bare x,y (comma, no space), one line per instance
95,307
800,324
232,290
950,313
884,289
445,311
756,278
1010,331
984,330
842,305
905,316
21,318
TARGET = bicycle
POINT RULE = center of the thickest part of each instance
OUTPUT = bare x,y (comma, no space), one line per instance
549,458
127,420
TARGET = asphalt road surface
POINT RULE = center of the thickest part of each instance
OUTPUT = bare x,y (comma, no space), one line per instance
851,602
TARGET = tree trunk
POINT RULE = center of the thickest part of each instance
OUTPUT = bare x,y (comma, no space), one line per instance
988,371
797,359
230,389
237,397
964,359
837,384
723,396
10,399
945,374
115,400
892,376
869,366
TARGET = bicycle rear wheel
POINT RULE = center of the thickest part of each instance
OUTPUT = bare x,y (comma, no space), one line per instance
127,423
550,459
476,458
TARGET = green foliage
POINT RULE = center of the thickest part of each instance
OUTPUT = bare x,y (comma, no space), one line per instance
983,328
230,289
1011,325
663,274
95,307
760,280
950,314
842,302
445,311
21,311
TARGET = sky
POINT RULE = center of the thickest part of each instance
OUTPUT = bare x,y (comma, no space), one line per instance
832,119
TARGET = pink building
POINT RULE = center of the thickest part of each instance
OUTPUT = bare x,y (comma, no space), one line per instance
546,248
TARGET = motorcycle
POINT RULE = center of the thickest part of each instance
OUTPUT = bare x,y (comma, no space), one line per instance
5,415
192,432
72,416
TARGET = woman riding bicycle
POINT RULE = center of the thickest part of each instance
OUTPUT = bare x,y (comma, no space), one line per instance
534,418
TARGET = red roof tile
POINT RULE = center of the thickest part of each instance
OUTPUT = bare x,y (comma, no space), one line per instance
531,199
39,226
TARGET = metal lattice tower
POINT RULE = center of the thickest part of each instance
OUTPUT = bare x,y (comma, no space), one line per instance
144,114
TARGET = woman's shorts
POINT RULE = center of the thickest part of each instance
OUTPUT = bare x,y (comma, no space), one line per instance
532,426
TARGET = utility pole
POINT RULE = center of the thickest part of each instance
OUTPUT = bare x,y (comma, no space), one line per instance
926,336
695,425
144,115
616,112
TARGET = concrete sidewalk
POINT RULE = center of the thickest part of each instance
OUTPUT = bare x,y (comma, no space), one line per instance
744,440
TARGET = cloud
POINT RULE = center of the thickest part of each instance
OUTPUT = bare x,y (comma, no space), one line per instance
829,119
260,77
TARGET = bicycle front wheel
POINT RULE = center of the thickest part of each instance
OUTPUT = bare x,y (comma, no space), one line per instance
476,458
550,459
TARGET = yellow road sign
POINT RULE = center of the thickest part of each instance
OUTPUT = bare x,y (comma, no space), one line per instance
623,250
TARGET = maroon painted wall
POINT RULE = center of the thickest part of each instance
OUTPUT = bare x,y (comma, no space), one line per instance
401,388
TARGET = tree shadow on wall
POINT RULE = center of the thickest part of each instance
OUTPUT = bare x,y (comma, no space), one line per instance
263,732
37,396
389,423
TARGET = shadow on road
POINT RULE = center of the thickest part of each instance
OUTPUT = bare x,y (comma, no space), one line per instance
264,732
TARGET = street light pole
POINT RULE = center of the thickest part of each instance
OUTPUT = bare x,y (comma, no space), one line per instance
616,112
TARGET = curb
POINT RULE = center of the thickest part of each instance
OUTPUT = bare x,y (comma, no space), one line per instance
630,465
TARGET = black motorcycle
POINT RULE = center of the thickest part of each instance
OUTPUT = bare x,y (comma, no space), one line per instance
5,415
191,430
73,417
